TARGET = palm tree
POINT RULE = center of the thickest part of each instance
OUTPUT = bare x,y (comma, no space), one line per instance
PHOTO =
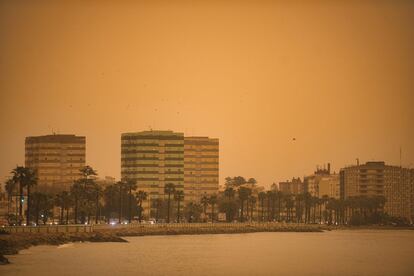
273,196
269,196
76,192
86,172
205,201
42,204
60,204
193,211
289,206
252,181
67,201
228,182
238,181
229,193
121,186
141,196
130,185
279,196
9,187
97,190
158,206
307,200
178,196
18,179
169,189
230,207
262,197
331,206
31,180
110,195
24,177
213,201
325,200
252,202
243,196
298,208
320,203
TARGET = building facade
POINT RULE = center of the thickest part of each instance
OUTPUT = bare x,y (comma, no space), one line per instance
153,159
329,186
378,179
56,158
322,183
293,187
201,167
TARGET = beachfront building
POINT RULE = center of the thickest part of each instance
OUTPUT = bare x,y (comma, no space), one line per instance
395,183
201,167
153,159
56,158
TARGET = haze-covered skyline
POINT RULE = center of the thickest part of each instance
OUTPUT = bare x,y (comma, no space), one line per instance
284,86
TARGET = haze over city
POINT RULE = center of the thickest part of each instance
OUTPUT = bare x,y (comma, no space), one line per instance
210,138
284,91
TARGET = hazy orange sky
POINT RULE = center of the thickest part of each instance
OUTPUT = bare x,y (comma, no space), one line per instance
336,75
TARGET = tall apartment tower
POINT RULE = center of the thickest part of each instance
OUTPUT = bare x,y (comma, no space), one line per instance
376,178
56,158
201,167
153,159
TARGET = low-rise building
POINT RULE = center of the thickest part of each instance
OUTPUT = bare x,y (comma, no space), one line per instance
293,187
322,183
329,186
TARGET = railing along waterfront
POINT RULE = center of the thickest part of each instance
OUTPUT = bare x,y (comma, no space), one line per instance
75,228
196,225
78,228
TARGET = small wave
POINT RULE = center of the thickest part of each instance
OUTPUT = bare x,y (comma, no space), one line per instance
66,245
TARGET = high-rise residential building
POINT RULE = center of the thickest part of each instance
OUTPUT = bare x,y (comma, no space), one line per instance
201,167
378,179
56,158
293,187
153,159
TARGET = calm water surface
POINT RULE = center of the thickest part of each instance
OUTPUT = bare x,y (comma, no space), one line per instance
329,253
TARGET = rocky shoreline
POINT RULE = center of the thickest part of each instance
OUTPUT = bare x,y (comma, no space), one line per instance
11,244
